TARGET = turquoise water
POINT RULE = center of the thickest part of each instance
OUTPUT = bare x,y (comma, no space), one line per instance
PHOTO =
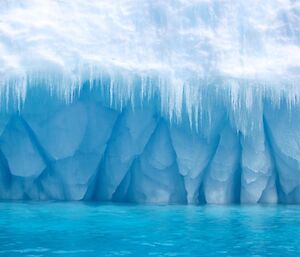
78,229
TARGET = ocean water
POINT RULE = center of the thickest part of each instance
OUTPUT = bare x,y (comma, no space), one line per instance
83,229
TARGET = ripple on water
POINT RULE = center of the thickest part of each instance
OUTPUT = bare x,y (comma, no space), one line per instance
78,229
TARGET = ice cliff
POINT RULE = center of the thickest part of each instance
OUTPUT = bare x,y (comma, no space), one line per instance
150,101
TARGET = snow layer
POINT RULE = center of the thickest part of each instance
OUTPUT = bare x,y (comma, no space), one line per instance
248,50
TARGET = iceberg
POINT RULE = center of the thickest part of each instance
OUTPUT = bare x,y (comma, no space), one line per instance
194,102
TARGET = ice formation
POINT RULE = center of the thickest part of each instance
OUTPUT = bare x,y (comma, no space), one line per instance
150,101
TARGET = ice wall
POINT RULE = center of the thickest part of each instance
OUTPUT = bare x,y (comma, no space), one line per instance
150,101
87,150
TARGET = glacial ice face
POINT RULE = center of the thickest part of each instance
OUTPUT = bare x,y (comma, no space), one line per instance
87,150
150,101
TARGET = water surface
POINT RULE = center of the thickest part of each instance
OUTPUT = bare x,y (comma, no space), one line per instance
81,229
